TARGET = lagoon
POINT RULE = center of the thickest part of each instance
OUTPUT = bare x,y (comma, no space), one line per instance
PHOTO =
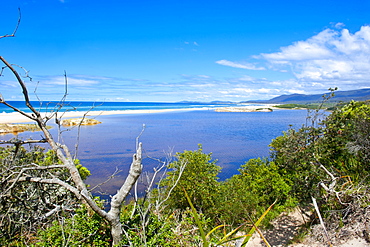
232,137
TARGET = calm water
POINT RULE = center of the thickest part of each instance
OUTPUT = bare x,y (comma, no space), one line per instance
233,138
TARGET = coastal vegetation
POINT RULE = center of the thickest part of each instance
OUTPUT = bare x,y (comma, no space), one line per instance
312,106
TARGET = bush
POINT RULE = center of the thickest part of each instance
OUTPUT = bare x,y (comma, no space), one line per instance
84,228
246,196
346,141
26,207
173,229
199,179
341,142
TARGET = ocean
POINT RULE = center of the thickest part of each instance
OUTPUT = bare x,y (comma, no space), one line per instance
110,106
232,137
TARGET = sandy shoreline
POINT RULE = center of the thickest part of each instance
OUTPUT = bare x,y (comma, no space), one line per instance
16,117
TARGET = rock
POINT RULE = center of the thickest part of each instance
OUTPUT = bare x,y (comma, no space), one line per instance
79,121
16,128
242,109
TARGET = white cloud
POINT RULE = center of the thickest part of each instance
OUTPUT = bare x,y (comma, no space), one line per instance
242,90
266,90
330,58
72,80
246,78
295,91
239,65
313,48
339,25
193,43
9,84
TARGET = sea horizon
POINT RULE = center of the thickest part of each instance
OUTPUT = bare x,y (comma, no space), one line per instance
117,106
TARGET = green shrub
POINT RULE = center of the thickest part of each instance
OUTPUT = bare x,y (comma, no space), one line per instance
85,228
153,229
246,196
24,205
199,179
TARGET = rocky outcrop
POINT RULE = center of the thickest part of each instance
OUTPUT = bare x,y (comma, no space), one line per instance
242,109
79,121
16,128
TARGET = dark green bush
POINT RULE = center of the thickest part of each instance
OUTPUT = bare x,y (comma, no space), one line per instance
247,195
84,228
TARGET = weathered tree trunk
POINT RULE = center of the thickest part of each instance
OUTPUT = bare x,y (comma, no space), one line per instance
118,199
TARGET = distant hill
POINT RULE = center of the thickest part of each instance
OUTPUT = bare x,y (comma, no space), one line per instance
345,96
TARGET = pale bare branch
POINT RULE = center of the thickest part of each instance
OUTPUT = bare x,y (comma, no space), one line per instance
22,142
16,27
106,181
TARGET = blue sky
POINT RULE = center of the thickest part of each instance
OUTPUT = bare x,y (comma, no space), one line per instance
234,50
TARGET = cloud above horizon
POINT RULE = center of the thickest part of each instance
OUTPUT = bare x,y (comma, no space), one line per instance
239,65
71,80
332,58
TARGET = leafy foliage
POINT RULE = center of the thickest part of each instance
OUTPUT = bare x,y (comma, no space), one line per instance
293,154
25,206
84,228
340,141
153,231
199,179
304,106
346,139
246,196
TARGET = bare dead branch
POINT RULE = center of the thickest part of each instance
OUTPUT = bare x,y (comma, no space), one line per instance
26,72
51,212
331,188
81,195
143,209
24,91
33,167
106,181
138,137
160,202
16,27
65,87
54,180
21,142
78,134
321,220
117,199
2,101
134,173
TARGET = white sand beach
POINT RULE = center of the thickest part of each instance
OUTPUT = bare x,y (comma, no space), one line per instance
16,117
